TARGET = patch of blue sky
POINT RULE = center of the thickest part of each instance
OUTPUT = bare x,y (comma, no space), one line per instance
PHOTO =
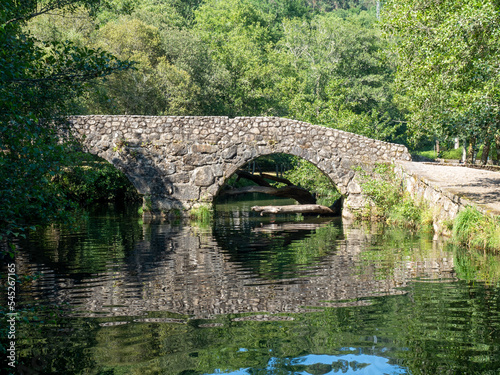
354,364
350,364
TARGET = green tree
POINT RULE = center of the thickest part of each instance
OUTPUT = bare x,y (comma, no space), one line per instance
38,82
448,68
332,5
188,53
340,73
168,75
306,175
239,37
159,13
129,92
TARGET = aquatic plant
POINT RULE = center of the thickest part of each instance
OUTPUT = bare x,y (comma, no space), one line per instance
202,213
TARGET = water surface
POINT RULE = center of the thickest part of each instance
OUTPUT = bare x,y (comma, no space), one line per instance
254,295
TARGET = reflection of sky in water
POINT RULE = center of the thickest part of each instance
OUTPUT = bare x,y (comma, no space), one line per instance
357,364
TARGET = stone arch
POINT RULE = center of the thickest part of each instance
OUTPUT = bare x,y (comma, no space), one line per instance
337,168
121,165
231,169
134,161
179,162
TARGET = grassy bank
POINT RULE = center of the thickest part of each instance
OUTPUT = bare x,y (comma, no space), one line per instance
475,230
202,214
393,204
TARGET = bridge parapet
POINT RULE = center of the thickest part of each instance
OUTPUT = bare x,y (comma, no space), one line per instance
178,162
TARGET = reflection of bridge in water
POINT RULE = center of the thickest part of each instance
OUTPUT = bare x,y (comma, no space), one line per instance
186,270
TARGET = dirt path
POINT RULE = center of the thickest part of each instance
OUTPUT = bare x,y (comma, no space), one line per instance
479,186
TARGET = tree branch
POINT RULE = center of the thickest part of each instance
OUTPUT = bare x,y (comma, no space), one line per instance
261,178
43,10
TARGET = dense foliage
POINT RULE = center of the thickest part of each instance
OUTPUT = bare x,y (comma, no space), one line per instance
306,175
391,201
322,61
39,80
94,180
448,68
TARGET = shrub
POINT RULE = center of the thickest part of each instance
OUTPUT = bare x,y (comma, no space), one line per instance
309,177
95,181
392,202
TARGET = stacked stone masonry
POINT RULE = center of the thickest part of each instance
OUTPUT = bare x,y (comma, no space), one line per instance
446,204
180,162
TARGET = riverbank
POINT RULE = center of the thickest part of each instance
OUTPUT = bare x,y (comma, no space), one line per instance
457,202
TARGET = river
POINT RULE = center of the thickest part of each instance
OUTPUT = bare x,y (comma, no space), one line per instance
253,295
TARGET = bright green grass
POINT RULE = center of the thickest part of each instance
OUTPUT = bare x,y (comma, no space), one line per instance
429,154
452,154
455,154
473,229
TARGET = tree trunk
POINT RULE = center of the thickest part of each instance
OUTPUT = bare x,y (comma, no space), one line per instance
293,209
279,227
496,152
464,151
255,178
471,154
299,194
486,151
261,178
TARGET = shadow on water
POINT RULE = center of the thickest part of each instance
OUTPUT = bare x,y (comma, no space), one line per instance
253,295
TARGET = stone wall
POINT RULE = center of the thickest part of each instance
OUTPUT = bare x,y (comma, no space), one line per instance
445,204
178,162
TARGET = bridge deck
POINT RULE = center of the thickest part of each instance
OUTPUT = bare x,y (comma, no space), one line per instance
480,187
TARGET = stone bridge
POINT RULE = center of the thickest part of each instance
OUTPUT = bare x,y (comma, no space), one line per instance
176,163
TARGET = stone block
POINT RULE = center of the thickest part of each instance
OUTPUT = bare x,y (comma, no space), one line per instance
203,176
182,177
203,148
218,170
186,192
169,168
197,159
353,188
178,149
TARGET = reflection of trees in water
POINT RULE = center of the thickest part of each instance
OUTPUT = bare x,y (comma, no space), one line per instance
88,248
471,265
435,328
277,250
